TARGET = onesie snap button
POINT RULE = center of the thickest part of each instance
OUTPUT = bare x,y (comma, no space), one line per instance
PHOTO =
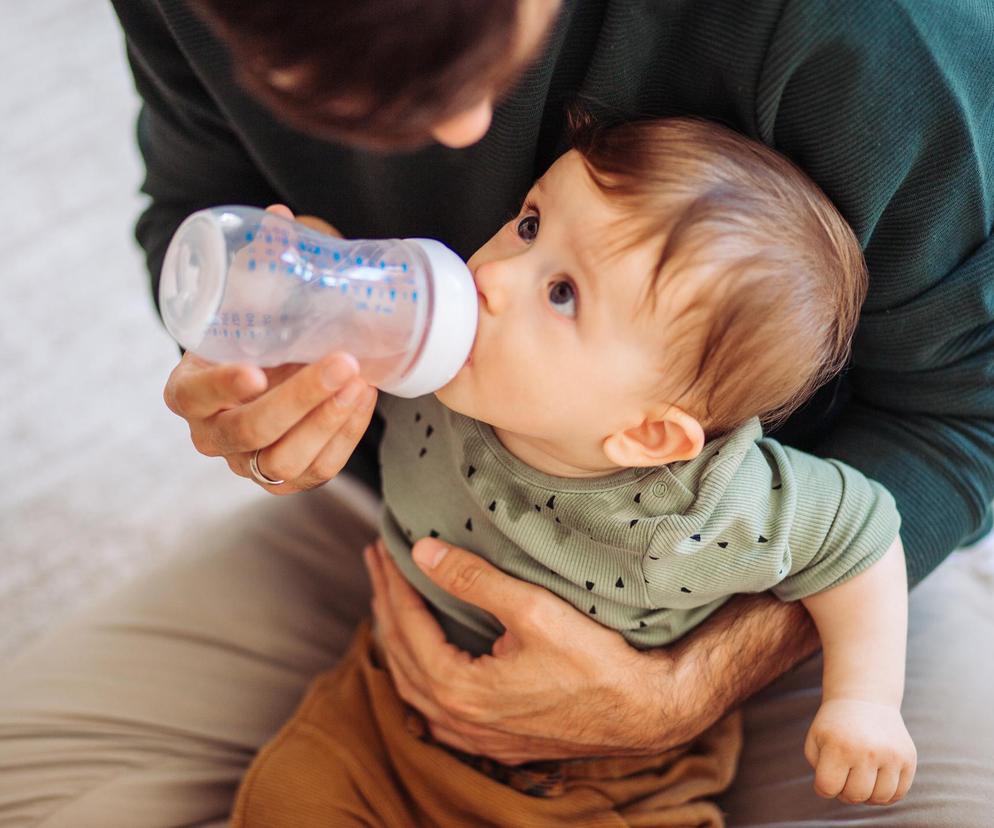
658,488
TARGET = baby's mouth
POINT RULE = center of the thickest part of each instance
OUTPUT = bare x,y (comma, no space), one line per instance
476,337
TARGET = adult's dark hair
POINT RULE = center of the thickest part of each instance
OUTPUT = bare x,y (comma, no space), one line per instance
378,73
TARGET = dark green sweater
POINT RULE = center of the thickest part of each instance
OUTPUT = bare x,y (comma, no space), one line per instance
887,104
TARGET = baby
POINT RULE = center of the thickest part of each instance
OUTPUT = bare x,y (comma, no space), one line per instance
667,287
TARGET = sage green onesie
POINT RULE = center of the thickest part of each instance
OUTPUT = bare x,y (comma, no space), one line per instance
650,552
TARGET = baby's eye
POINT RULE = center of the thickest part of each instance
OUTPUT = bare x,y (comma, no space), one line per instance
528,228
562,297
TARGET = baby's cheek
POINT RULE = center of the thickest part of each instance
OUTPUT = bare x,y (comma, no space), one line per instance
550,399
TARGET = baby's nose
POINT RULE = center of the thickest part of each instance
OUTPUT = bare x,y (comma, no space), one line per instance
492,286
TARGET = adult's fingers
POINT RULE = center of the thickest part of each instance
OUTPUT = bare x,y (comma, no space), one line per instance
409,689
313,222
320,225
319,446
408,677
267,418
405,600
197,389
280,210
475,581
398,609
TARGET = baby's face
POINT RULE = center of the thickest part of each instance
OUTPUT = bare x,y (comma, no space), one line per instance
566,353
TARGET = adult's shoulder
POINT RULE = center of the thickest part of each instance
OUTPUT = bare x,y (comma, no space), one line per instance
887,105
878,58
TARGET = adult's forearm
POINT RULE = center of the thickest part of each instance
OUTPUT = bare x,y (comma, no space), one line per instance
748,643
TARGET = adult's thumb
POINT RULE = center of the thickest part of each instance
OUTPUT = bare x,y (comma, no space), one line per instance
470,578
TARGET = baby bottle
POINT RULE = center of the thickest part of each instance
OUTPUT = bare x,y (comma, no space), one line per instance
243,285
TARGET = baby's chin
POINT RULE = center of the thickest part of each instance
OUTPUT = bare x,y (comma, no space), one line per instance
455,396
458,396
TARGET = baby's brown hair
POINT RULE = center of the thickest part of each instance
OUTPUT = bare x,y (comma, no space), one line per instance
781,276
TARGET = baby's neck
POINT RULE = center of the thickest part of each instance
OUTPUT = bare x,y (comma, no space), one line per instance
550,459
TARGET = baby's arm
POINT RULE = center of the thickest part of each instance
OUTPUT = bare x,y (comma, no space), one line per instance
858,744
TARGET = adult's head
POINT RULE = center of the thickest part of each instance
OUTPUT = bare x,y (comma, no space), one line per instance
389,74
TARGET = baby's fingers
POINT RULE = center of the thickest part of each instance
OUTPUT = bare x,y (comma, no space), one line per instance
859,785
811,750
885,788
831,773
904,785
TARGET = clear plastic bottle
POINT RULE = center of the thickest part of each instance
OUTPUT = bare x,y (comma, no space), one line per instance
243,285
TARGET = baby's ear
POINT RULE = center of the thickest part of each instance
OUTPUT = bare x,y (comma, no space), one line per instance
665,437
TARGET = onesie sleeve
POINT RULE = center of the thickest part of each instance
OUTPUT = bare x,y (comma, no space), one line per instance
842,521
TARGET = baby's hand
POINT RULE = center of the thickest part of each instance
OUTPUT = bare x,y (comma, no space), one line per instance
861,752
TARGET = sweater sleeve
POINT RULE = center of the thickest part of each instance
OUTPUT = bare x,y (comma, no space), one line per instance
193,158
888,107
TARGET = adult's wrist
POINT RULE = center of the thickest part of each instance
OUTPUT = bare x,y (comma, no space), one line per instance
755,640
747,644
681,706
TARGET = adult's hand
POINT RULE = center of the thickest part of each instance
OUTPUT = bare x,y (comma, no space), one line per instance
558,684
306,420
